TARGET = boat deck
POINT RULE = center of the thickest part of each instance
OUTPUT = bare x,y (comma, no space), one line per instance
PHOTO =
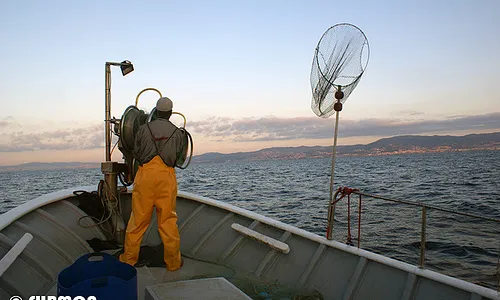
260,256
201,280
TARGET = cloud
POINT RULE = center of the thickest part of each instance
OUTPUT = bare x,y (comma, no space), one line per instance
63,139
410,112
6,121
225,130
273,128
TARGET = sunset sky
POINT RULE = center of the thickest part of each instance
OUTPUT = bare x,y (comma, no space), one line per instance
239,71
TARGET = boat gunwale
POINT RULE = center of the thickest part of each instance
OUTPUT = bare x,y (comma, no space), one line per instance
12,215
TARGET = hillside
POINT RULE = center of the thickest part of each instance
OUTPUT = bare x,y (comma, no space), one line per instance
385,146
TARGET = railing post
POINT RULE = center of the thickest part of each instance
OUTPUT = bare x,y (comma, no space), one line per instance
422,236
359,220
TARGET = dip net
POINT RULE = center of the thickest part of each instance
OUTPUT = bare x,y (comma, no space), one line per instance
340,60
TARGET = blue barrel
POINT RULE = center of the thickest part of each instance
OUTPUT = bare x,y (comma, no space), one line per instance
100,275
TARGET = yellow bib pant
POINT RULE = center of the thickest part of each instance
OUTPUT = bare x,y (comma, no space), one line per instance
155,185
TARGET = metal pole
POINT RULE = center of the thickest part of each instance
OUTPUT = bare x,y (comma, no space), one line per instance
422,236
331,207
334,153
331,213
109,168
359,221
107,126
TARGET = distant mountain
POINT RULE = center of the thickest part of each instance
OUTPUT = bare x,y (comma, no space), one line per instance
438,140
435,143
385,146
267,153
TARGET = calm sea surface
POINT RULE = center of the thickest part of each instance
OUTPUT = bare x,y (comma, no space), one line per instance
296,192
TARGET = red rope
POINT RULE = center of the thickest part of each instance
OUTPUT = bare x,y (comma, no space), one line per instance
346,191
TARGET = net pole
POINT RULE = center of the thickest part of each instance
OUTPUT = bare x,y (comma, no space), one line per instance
334,151
339,95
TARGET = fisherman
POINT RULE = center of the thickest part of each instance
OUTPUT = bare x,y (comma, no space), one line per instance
158,145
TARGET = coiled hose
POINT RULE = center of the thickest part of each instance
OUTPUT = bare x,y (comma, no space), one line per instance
190,144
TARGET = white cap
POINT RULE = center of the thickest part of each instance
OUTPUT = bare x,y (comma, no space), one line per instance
164,104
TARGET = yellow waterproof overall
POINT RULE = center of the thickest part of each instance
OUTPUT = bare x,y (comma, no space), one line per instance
155,185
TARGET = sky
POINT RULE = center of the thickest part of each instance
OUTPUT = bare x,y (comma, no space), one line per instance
240,72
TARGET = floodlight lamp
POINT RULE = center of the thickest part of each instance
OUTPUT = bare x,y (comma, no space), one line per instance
126,67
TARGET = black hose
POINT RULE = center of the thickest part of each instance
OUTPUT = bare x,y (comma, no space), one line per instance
121,176
191,152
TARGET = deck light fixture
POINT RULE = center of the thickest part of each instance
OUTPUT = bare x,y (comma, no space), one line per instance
126,67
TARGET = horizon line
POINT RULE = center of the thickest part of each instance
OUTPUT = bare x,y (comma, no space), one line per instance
211,152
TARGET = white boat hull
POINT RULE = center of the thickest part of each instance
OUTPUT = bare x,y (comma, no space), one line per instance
216,237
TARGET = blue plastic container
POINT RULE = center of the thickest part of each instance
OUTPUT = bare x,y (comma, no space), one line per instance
100,275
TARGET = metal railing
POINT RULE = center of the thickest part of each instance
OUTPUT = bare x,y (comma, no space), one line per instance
342,192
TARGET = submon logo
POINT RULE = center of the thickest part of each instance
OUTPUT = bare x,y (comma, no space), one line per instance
54,298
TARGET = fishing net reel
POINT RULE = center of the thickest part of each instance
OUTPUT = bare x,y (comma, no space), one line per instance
126,129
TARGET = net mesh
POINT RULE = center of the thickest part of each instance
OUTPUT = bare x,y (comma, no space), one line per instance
339,61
